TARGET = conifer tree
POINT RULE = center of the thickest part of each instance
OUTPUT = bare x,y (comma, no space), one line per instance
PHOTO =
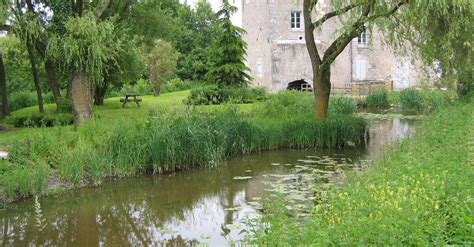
228,52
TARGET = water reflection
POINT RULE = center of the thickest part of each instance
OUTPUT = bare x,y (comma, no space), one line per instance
187,208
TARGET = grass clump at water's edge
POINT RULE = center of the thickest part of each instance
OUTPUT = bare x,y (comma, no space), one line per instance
162,142
421,194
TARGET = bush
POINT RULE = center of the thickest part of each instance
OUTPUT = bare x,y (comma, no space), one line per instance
410,99
214,95
64,106
23,99
142,87
176,85
41,120
378,98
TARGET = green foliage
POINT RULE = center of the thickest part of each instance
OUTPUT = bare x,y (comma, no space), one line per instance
342,105
228,53
17,66
214,95
64,106
161,64
297,102
440,32
410,99
40,120
176,85
22,99
377,98
198,29
141,86
167,142
421,194
87,45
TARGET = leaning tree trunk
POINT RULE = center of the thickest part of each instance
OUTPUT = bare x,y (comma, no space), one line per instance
5,111
322,91
81,96
34,71
50,68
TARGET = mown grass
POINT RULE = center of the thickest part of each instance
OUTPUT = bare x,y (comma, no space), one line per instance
421,194
165,139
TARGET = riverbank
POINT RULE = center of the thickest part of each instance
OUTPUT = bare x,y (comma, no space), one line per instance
421,194
163,141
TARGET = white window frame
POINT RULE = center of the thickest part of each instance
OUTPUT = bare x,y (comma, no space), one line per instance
296,20
363,39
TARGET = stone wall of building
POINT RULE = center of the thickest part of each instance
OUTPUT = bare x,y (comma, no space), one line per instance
277,52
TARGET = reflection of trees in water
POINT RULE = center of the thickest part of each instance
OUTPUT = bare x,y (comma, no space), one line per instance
133,210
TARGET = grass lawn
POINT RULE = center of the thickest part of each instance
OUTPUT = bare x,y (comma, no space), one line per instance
112,111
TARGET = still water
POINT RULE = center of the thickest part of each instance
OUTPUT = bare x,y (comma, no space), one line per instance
194,207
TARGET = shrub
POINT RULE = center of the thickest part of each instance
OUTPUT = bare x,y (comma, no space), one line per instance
378,98
175,85
410,99
23,99
142,87
214,95
41,120
64,106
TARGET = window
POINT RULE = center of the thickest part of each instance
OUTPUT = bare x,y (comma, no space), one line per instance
363,39
360,68
295,19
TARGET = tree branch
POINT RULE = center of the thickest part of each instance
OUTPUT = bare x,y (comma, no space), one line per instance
356,29
308,6
335,13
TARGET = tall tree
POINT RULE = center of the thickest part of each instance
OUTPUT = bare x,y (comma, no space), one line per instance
27,29
87,47
359,14
198,29
161,64
4,111
3,89
228,52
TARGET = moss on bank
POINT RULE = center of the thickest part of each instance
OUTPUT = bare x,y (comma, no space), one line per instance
421,194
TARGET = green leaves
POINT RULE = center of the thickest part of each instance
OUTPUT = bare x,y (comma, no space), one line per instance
88,45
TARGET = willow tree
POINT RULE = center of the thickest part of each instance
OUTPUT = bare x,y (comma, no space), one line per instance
86,48
439,30
354,16
440,33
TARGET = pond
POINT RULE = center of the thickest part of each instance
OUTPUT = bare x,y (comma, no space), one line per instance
194,207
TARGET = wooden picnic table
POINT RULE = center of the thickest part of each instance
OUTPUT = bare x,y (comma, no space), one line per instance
128,98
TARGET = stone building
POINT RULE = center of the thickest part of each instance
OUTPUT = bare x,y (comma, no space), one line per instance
277,51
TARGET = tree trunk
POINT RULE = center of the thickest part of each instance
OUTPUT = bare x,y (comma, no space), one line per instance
50,68
322,91
157,89
34,71
99,93
81,97
5,111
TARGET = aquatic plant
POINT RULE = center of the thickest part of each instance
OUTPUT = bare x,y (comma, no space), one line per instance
378,98
165,142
